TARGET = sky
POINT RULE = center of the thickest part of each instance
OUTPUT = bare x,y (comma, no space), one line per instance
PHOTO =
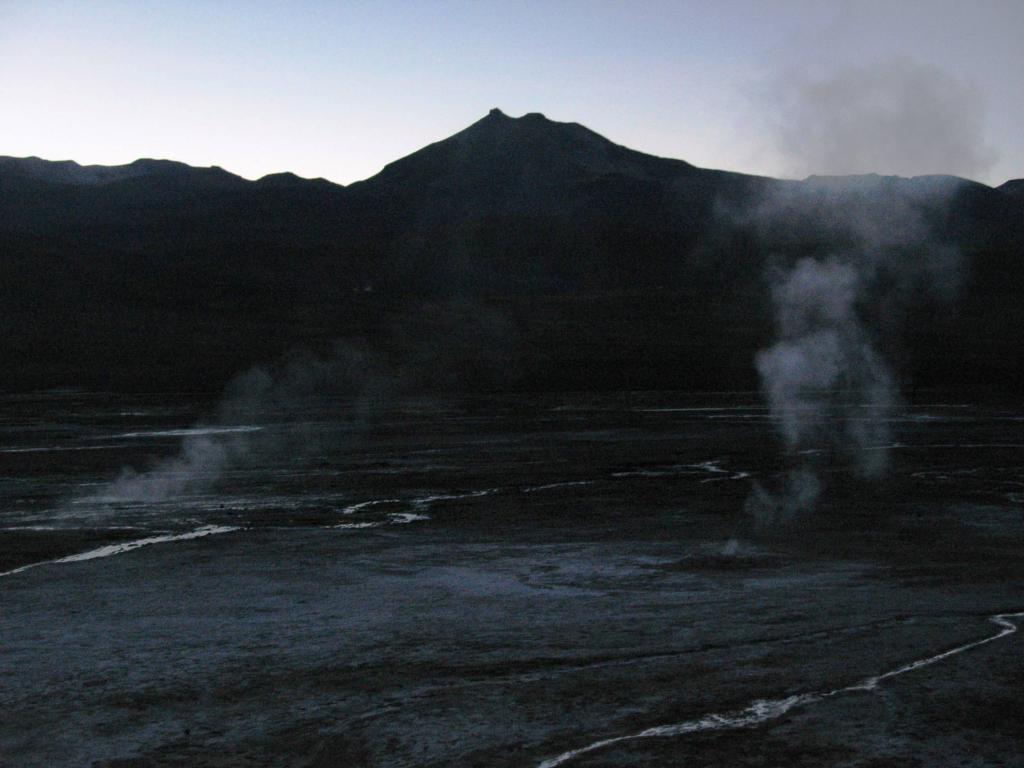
339,89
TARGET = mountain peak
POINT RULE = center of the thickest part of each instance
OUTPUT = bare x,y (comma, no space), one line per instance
500,152
497,114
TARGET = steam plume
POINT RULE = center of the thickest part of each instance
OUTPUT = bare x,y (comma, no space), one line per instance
463,340
848,251
893,116
233,437
823,361
850,254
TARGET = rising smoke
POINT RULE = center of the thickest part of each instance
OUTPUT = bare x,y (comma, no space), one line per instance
850,254
823,368
895,116
262,418
236,435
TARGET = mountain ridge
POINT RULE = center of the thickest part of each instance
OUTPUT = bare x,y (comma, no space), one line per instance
67,171
589,263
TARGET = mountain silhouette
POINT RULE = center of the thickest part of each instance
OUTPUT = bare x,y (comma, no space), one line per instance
1013,187
508,156
519,252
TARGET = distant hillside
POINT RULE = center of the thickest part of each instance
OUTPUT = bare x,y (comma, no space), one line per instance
1014,187
518,253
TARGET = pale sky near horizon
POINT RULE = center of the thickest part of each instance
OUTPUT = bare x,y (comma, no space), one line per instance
339,89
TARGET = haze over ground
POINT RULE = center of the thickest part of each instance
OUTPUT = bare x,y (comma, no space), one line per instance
338,91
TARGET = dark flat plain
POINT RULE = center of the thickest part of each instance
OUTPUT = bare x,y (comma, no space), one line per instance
526,616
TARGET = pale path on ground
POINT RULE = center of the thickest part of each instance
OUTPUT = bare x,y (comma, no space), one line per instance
128,546
763,710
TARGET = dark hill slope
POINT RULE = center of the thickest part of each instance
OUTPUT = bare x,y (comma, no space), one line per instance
518,252
529,205
1014,187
